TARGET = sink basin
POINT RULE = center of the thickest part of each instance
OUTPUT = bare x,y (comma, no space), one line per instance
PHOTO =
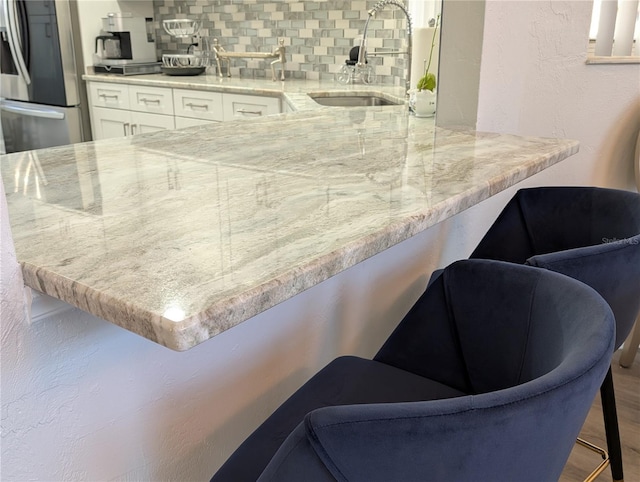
352,100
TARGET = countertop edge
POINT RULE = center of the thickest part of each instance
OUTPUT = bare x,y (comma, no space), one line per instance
276,291
214,317
224,314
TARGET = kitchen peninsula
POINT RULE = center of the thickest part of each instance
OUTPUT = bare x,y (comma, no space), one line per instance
180,235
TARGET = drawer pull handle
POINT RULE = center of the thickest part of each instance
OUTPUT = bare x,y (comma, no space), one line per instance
125,127
254,112
108,96
197,106
144,100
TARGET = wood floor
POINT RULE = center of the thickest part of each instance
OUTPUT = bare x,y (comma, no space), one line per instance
626,382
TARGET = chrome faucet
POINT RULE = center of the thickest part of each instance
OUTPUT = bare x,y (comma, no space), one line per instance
362,54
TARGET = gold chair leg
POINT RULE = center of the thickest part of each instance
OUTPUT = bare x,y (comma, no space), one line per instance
603,453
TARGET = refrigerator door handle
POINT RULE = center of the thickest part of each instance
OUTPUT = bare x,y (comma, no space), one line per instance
10,14
31,111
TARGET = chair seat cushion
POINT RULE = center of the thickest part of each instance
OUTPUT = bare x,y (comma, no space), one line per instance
345,381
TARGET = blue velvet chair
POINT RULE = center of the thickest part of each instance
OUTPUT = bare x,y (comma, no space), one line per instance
489,376
591,234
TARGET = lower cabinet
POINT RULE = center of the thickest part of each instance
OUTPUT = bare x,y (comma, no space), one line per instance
110,123
119,110
142,122
182,122
196,104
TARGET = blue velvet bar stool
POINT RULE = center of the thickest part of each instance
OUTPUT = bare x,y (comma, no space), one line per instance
490,376
591,234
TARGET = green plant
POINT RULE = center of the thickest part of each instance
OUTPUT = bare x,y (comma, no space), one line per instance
428,80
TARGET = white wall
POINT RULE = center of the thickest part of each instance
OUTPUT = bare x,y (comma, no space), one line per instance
459,73
534,81
13,306
85,400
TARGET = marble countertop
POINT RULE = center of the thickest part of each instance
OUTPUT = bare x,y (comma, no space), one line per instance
178,236
293,92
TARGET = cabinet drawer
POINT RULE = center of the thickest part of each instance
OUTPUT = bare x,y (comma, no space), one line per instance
155,100
104,94
246,106
198,104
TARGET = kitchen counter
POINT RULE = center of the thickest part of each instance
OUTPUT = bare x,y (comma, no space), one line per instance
292,92
180,235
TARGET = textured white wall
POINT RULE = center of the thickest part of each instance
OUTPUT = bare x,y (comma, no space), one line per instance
534,81
85,400
12,301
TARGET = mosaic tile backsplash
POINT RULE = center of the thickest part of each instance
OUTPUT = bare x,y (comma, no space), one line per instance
318,35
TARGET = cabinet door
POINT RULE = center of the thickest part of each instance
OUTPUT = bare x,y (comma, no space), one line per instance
238,106
182,122
142,122
109,123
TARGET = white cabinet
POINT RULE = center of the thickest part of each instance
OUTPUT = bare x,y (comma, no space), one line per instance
198,104
142,122
238,106
119,110
114,96
182,122
154,100
110,123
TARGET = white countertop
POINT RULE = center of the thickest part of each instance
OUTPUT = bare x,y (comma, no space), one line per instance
293,92
178,236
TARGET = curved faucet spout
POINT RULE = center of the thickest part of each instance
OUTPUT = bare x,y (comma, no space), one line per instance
362,54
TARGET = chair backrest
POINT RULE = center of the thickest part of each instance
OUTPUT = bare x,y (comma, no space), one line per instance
591,234
534,343
487,325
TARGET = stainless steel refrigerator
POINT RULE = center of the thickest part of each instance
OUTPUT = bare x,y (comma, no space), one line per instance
43,100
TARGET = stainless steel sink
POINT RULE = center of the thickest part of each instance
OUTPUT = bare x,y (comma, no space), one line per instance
352,100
